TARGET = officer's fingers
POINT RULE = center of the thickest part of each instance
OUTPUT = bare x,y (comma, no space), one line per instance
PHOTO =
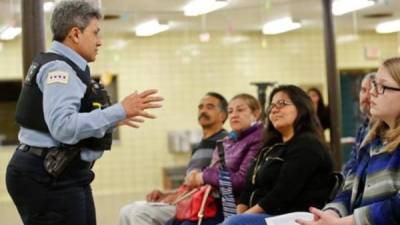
153,99
130,124
135,119
151,106
147,93
146,115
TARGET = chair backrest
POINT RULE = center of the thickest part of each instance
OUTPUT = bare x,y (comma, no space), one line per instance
338,182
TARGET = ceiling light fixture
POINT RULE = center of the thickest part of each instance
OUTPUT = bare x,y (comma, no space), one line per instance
340,7
9,32
280,26
388,27
48,6
150,28
198,7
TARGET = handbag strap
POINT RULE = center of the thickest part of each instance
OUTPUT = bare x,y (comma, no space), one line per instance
221,154
200,215
184,195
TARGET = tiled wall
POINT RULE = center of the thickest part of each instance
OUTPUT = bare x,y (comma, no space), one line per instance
183,69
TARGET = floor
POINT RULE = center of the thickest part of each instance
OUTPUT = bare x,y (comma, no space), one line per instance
107,209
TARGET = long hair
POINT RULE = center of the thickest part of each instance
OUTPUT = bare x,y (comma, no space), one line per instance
380,128
321,108
306,120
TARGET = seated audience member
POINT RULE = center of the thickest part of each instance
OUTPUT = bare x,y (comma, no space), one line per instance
371,191
293,170
319,107
240,149
364,104
212,113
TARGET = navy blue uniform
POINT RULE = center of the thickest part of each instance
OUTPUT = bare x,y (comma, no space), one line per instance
66,200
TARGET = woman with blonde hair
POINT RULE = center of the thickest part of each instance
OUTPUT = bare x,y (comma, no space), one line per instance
371,191
240,148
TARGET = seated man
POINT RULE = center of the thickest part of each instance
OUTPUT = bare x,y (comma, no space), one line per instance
211,116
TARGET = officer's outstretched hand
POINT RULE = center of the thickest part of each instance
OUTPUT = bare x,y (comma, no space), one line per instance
131,122
136,104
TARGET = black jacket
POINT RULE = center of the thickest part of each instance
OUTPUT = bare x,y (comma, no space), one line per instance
290,176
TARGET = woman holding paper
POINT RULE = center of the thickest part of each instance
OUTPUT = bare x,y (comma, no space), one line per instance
292,171
371,191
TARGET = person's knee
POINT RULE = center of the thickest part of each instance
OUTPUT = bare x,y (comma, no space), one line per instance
130,210
232,220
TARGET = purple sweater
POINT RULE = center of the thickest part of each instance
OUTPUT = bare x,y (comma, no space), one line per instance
239,154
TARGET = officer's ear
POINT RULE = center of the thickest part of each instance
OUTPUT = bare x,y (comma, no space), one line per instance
74,34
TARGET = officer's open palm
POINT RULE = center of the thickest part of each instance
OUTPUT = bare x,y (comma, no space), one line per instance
136,103
131,122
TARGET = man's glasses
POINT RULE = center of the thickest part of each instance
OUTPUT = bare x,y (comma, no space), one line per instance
380,88
278,105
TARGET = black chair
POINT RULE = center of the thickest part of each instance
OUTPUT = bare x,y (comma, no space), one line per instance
337,185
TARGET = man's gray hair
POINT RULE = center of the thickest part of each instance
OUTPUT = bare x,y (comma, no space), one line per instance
369,76
71,13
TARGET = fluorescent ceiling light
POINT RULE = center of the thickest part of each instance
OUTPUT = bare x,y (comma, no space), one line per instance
8,33
48,6
340,7
280,26
388,27
198,7
150,28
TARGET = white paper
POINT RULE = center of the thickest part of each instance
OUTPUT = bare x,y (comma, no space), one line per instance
289,219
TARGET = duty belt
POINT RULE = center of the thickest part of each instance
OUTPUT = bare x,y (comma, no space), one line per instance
41,152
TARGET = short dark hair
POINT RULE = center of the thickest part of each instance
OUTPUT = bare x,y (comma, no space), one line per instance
223,103
306,120
369,76
68,14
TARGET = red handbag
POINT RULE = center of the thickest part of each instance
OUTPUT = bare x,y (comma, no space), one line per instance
195,204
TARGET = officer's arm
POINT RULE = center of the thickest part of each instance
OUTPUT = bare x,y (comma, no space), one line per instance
62,101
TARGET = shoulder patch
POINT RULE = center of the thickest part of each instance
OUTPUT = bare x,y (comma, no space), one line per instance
57,76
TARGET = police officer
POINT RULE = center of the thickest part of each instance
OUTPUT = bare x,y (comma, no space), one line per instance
66,123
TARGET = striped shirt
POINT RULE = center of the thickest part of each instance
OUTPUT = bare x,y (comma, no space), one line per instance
202,153
371,189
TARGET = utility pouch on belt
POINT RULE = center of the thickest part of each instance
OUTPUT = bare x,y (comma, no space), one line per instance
58,159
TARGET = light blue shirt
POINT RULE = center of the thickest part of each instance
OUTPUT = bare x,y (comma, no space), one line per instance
61,104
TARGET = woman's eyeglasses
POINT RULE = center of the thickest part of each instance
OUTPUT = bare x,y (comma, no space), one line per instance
380,88
279,104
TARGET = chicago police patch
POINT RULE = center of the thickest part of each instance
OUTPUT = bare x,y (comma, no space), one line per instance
57,77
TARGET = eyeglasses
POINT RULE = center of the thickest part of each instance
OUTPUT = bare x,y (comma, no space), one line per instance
279,104
380,88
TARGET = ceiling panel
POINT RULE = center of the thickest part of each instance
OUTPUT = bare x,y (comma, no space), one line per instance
240,15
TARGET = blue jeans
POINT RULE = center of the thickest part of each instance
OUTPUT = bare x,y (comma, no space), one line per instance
246,219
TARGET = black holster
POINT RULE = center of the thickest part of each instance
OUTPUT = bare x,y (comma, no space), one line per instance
57,160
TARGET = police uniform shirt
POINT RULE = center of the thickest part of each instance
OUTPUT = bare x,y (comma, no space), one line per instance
62,93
